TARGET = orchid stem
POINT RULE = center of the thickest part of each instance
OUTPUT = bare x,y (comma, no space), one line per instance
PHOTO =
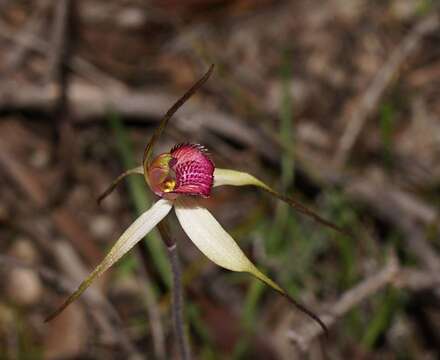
177,292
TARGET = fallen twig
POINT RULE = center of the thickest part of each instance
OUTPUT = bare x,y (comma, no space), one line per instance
81,66
391,274
371,97
36,190
60,44
153,310
34,25
401,209
90,102
305,334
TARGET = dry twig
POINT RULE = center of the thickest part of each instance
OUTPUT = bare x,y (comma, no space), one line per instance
91,103
81,66
153,310
60,45
33,26
305,334
391,274
401,209
36,190
371,97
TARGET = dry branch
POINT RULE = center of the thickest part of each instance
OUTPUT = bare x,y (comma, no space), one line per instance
305,334
371,97
37,192
81,66
59,56
407,213
391,274
89,102
34,25
152,307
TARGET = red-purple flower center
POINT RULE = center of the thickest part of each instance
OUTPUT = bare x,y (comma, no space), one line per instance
186,169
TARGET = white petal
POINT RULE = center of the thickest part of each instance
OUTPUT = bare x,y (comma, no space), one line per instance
213,241
135,232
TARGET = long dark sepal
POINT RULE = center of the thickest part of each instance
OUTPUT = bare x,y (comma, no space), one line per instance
169,114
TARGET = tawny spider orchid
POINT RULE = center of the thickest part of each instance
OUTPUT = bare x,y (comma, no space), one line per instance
179,177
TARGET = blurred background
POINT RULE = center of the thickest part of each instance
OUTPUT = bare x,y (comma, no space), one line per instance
334,103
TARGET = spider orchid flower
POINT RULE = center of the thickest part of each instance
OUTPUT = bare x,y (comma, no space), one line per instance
179,178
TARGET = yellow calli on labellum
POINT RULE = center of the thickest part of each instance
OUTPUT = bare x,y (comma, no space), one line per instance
179,178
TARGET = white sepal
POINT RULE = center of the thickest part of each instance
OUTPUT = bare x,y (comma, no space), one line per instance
213,241
135,232
236,178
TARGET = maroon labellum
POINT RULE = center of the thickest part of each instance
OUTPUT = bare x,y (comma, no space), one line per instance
186,169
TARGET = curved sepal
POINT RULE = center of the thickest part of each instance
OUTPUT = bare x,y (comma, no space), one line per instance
138,170
216,244
135,232
163,123
238,178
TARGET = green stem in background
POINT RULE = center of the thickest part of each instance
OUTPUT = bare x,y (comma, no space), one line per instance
275,239
387,129
177,292
141,200
253,296
348,258
207,349
286,128
287,160
382,318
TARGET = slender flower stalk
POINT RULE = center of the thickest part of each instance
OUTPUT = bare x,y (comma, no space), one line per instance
179,178
177,292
